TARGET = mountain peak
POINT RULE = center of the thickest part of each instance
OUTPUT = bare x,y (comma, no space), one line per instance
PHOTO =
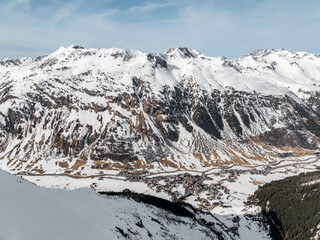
76,46
70,48
182,52
265,52
281,52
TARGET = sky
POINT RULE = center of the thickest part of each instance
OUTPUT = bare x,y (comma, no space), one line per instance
230,28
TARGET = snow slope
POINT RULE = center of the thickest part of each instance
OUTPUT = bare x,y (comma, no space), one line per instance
33,213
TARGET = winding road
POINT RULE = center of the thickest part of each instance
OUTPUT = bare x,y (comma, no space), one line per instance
206,172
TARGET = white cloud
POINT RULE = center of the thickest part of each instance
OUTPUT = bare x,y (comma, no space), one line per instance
11,4
148,7
64,12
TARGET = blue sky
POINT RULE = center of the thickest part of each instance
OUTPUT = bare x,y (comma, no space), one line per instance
230,28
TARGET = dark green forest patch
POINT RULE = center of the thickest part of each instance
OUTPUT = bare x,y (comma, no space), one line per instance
291,205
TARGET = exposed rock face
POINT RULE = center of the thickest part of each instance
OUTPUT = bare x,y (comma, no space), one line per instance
82,110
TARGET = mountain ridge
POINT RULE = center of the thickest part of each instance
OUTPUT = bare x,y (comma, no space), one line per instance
81,110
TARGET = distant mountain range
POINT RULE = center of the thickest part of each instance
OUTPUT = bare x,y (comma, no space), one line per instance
87,111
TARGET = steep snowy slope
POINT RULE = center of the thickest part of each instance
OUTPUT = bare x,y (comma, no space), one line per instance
88,111
31,212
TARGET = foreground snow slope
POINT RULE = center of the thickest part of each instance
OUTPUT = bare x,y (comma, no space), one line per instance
29,212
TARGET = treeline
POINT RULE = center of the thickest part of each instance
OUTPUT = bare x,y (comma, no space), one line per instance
173,207
292,206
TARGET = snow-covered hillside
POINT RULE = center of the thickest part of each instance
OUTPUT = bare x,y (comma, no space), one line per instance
92,111
29,212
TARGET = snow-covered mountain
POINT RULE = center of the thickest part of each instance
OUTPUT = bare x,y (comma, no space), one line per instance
88,111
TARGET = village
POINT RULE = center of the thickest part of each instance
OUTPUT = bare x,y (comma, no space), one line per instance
207,188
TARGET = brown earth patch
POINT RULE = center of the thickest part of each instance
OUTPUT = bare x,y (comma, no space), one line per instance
255,182
167,163
64,164
78,164
38,170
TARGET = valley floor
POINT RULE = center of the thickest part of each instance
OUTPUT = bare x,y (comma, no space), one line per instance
221,191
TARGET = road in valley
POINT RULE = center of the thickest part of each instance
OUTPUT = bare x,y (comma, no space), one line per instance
206,172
